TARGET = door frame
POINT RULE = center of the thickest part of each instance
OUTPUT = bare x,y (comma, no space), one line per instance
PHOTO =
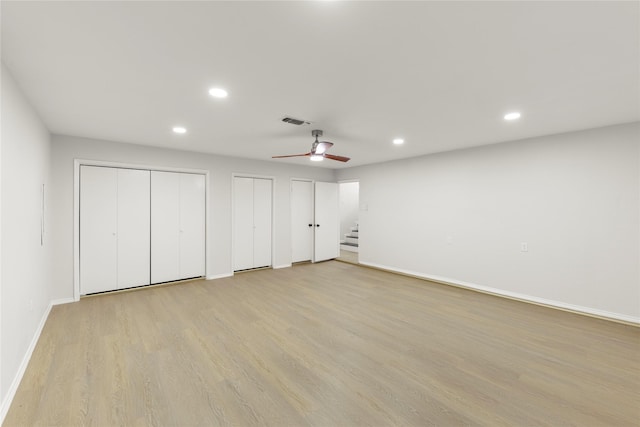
122,165
235,175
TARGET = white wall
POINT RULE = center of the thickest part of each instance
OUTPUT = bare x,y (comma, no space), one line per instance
573,198
348,207
25,264
65,149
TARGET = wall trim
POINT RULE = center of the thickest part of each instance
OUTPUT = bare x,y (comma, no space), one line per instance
13,388
349,180
60,301
219,276
572,308
276,267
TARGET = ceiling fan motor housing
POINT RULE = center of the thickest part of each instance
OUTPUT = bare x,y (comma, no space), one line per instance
316,133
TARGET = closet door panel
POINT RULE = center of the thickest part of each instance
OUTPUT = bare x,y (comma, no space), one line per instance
192,225
98,229
134,251
262,222
327,221
301,221
165,226
242,223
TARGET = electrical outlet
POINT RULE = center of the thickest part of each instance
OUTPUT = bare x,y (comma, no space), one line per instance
524,247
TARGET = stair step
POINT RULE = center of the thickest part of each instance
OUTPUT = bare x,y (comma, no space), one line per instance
349,239
349,236
349,244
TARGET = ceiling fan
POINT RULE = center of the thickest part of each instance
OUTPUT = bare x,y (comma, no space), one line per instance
318,150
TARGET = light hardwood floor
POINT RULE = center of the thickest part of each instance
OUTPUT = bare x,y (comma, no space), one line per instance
329,344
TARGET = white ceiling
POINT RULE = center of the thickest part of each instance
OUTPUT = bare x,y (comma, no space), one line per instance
439,74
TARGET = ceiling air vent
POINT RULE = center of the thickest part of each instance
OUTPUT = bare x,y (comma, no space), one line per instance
295,121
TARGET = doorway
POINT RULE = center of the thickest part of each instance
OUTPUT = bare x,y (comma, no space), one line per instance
349,196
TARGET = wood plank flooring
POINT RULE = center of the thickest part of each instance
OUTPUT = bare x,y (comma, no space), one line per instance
329,344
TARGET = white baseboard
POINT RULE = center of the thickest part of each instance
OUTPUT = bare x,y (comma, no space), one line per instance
275,267
62,301
219,276
6,403
514,295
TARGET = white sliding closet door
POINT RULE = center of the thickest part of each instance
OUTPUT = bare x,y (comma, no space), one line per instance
134,251
301,221
192,225
98,229
165,226
262,222
252,219
327,224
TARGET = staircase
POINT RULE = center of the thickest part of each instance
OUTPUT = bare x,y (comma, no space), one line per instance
350,241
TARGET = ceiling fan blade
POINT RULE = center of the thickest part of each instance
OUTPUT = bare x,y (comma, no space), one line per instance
322,147
338,158
291,155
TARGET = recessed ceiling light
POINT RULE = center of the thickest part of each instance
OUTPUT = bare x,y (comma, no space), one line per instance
179,129
217,92
512,116
317,158
398,141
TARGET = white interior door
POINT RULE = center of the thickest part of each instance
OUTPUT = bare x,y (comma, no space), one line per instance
301,221
134,234
165,226
327,221
242,223
98,229
262,197
192,225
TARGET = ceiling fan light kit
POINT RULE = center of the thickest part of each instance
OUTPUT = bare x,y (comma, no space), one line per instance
318,150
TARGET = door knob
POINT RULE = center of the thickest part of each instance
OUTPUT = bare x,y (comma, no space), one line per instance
317,225
310,225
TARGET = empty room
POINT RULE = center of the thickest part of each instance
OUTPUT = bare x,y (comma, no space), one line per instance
320,213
